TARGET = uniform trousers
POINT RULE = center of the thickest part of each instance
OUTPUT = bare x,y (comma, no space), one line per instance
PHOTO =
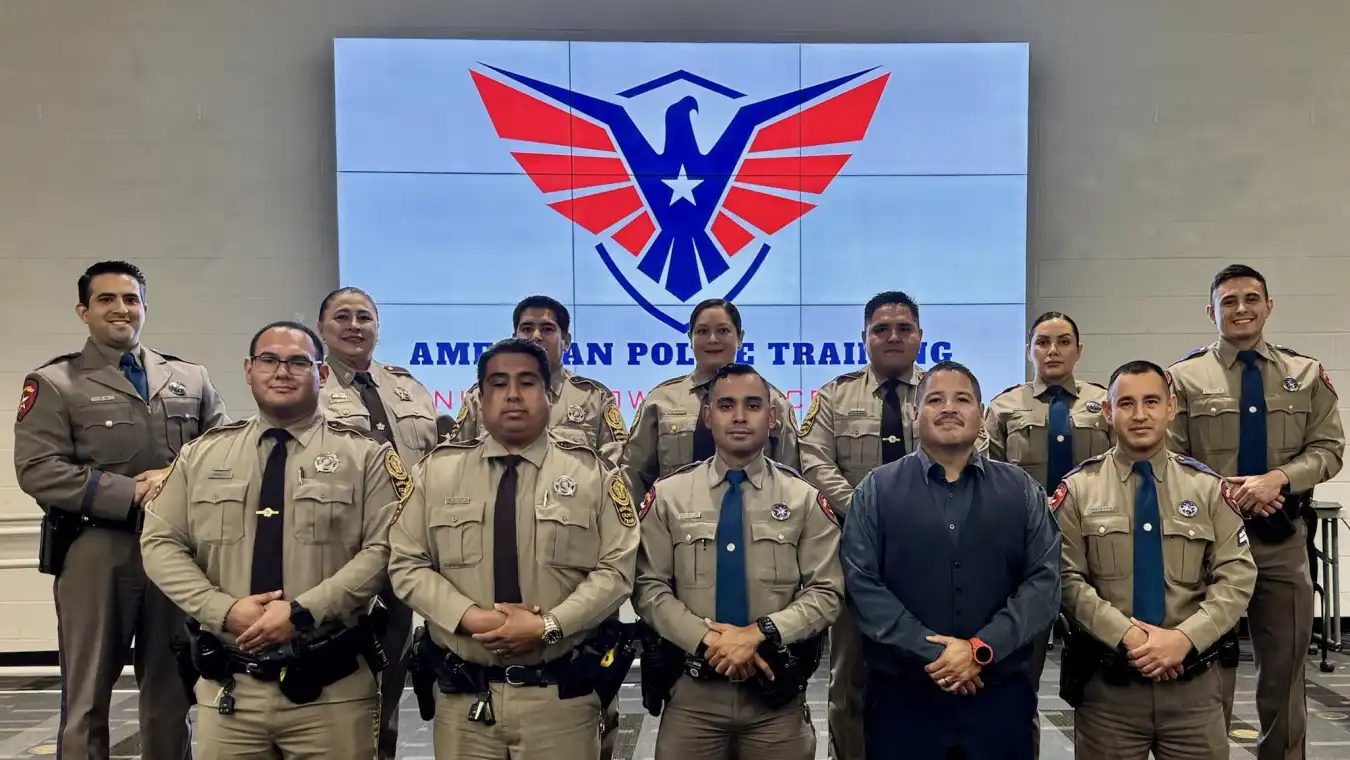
1175,720
845,712
1279,618
103,603
531,723
609,730
916,720
719,720
265,724
393,680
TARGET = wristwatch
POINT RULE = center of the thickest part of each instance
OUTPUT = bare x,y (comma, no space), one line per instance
301,619
982,653
770,632
552,631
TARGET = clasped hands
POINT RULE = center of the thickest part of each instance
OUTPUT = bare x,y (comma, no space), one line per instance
1258,495
955,670
507,630
733,651
260,621
1156,652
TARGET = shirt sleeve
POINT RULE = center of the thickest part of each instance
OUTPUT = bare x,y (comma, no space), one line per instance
1323,441
878,613
819,463
1033,606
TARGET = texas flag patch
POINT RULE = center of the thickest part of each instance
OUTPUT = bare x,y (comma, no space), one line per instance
825,507
1057,497
27,398
647,503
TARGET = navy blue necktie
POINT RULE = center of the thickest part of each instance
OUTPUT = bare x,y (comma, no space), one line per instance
1252,417
1060,439
733,604
1150,592
136,374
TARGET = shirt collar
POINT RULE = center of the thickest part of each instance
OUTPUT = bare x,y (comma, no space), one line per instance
754,471
302,430
874,380
1228,353
556,381
940,473
533,453
698,378
111,355
345,374
1125,465
1070,385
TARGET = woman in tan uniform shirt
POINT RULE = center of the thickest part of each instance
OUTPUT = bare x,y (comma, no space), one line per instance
667,433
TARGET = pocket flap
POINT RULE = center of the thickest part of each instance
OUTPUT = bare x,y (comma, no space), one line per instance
1023,421
1187,529
1101,525
409,410
339,493
564,514
1212,406
1293,403
182,408
778,532
452,516
857,427
220,491
688,533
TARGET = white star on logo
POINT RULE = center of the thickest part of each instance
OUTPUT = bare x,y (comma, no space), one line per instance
682,187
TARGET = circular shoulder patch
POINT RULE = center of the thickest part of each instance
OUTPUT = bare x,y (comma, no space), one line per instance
399,475
810,418
615,422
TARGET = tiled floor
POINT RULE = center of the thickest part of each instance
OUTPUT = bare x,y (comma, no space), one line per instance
28,718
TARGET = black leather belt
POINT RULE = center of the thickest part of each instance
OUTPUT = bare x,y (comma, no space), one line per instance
547,674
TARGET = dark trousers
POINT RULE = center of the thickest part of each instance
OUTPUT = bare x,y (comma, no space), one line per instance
916,720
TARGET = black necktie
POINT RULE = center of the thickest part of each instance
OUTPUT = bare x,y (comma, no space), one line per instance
379,420
270,535
505,557
704,446
1251,417
892,424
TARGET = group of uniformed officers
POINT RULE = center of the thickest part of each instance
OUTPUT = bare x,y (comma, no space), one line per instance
268,569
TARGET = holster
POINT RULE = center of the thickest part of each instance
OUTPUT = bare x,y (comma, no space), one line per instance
662,664
302,668
420,666
1282,524
792,668
181,646
604,659
1230,650
58,534
370,630
1081,654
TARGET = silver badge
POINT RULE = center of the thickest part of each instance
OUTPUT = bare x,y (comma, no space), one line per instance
564,485
780,512
327,462
1290,384
403,393
177,388
1094,407
575,413
1188,508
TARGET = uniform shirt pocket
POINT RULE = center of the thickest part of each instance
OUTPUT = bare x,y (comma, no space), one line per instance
457,533
1184,545
857,443
415,426
695,554
182,420
775,553
675,441
565,536
107,433
1110,553
1214,424
320,511
217,511
1287,421
1026,440
1090,435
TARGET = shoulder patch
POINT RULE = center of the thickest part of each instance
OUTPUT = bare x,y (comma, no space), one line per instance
399,474
61,358
400,371
615,421
647,502
809,420
1226,492
825,507
27,397
1057,498
1196,464
623,503
1326,380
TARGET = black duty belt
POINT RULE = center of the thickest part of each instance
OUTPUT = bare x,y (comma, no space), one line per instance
548,674
699,669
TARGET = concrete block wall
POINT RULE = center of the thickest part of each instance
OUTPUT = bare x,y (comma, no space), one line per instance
195,138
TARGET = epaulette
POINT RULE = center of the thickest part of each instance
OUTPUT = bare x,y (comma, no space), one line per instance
1097,385
61,358
400,371
1290,351
1056,497
1194,352
472,443
1196,464
671,381
343,427
567,444
172,358
222,427
1225,490
676,471
1084,463
788,469
587,384
1007,390
854,375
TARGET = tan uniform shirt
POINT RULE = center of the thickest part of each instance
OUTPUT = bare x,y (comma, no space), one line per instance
661,439
342,490
83,432
1304,437
841,433
407,404
576,532
1017,421
791,545
1208,568
583,411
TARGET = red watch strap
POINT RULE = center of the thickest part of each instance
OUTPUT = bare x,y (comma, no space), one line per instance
976,647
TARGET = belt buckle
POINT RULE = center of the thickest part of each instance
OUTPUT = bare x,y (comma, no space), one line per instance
253,668
507,674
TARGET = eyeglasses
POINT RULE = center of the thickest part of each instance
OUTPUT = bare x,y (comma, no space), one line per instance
270,363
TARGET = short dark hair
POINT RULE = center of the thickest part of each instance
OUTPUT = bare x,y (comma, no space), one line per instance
543,302
323,307
949,366
1235,271
735,370
286,324
1049,315
1137,367
108,267
515,346
733,313
889,298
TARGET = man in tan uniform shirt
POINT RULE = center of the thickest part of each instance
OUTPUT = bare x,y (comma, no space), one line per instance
1163,606
583,410
514,547
1273,460
783,582
284,496
92,440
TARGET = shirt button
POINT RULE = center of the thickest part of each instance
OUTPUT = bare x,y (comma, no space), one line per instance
780,536
1148,527
688,537
1211,410
957,565
1190,533
731,547
1059,438
951,527
107,423
1101,529
1251,409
